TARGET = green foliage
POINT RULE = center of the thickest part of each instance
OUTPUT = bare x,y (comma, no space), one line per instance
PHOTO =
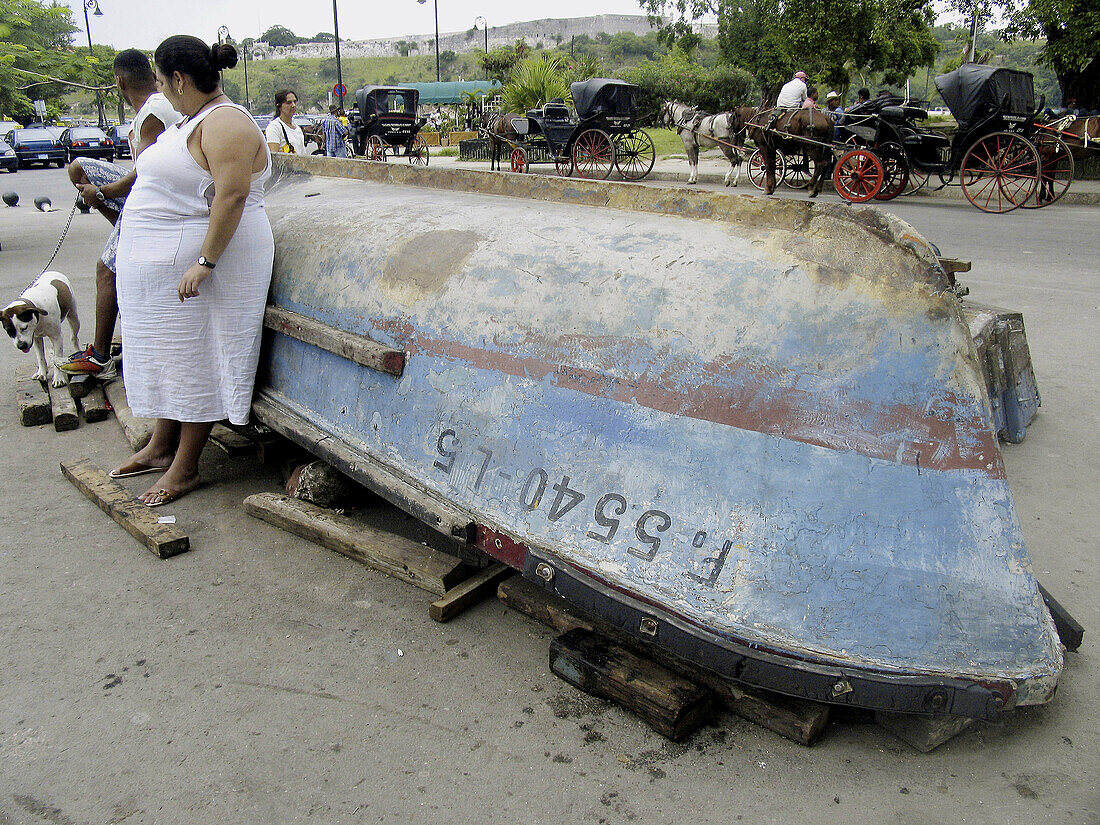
39,38
534,81
281,36
677,77
499,63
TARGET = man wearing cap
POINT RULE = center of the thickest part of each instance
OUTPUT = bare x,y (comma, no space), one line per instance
793,94
833,107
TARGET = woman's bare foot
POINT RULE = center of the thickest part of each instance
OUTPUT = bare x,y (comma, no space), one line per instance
168,489
145,460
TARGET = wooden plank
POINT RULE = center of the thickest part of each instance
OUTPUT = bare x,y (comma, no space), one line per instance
138,430
953,265
357,348
397,556
141,522
469,592
80,385
231,442
32,399
1069,629
799,720
64,408
551,609
925,733
672,705
95,405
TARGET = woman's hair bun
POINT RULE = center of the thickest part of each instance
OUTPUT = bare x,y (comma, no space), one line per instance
223,56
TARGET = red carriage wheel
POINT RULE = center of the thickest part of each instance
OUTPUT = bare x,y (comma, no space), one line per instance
563,165
519,160
634,154
757,171
375,150
1056,161
594,154
1000,172
858,175
418,152
896,168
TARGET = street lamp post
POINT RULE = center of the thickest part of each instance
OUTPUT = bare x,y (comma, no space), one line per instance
480,22
247,98
436,4
88,6
339,73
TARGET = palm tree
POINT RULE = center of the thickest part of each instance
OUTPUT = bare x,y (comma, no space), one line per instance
535,80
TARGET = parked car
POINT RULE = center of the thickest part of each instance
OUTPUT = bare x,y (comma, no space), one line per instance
8,161
87,142
36,146
121,137
8,125
263,120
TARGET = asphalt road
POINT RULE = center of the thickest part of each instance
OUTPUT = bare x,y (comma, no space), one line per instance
260,679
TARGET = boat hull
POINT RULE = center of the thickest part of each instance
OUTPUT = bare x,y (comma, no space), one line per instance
758,440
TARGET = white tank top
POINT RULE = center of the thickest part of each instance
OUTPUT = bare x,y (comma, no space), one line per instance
158,106
171,185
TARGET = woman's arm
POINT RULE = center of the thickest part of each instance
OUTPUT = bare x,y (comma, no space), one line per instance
229,144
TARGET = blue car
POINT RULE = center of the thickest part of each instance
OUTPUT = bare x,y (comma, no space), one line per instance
36,145
8,161
121,137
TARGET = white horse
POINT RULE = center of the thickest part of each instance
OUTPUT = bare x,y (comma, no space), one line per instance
698,129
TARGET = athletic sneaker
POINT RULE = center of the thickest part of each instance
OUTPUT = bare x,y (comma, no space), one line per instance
88,362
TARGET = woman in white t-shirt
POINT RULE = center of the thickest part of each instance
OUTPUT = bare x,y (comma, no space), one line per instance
282,131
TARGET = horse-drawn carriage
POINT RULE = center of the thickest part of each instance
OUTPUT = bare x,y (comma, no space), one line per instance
997,155
598,137
387,123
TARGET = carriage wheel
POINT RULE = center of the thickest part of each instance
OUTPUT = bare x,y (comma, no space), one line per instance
1000,172
801,169
376,149
858,175
1057,171
917,180
563,165
594,154
519,160
896,171
634,154
349,145
418,152
757,170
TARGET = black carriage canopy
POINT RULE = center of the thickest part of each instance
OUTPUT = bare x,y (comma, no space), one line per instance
382,100
974,91
604,96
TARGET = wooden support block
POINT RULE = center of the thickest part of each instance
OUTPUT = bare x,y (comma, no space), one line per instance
1069,629
465,595
357,348
549,608
925,733
231,441
141,522
401,558
799,720
672,705
64,409
953,265
95,406
138,430
32,399
80,385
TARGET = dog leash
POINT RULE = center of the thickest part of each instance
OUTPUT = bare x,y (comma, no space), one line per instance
64,232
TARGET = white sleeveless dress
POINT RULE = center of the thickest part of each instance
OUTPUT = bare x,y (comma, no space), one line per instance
193,361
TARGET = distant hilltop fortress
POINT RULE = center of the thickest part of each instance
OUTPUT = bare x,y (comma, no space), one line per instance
547,33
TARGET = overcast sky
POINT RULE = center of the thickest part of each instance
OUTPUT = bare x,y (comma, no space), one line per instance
145,23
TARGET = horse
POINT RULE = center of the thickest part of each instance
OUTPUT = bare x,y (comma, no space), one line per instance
793,131
498,129
698,129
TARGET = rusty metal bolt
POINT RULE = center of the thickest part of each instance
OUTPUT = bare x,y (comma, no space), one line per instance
544,571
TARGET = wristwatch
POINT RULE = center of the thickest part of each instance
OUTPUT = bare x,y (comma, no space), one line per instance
99,196
204,261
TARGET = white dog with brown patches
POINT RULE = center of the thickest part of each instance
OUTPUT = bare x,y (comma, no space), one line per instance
37,314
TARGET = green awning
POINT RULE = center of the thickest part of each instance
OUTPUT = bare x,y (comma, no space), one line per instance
451,92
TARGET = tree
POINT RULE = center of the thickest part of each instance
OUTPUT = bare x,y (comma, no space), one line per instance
1072,50
499,62
534,81
405,46
676,76
324,37
39,38
281,36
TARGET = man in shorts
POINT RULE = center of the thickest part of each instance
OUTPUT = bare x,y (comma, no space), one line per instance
105,186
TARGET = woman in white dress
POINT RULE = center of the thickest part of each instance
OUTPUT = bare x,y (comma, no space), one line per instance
281,132
194,267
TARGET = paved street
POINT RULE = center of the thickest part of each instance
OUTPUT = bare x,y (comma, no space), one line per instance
261,679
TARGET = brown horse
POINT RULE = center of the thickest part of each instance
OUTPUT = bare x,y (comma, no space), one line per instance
792,131
1081,134
498,129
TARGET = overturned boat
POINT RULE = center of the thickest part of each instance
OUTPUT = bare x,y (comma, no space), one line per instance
756,434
